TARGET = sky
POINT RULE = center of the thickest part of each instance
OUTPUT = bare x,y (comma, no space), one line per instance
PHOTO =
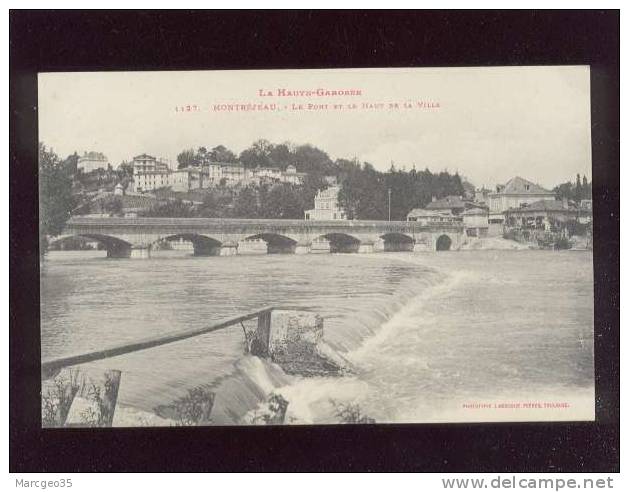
489,124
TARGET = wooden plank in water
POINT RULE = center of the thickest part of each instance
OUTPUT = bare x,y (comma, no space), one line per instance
50,368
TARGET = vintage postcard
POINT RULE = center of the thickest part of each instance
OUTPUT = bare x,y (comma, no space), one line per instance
296,247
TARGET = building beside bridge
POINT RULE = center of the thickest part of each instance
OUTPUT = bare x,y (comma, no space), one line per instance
542,215
515,193
453,210
476,222
326,206
427,217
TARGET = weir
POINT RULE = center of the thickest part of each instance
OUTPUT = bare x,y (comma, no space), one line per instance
291,338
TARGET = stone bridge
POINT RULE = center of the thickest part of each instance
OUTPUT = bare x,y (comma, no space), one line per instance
135,237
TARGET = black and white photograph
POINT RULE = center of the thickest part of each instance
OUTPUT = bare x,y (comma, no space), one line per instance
314,241
316,246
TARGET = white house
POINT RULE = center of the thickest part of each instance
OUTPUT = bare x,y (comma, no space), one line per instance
91,161
515,193
326,206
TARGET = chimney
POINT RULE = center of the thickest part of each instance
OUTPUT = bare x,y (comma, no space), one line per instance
564,202
434,198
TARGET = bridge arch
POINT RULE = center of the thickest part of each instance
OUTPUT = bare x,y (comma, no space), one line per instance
443,243
395,241
341,243
202,245
276,243
116,247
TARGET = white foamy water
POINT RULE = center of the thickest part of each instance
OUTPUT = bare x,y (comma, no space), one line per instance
434,337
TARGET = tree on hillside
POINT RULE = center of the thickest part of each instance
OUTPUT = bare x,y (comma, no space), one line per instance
202,155
171,208
581,189
587,189
312,160
188,158
55,196
281,156
70,164
125,169
468,187
220,153
578,189
310,187
109,205
246,204
364,194
258,155
345,166
282,202
211,206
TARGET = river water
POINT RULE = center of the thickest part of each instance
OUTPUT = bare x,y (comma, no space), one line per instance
435,337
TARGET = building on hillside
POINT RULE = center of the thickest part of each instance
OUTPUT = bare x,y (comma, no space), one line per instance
186,179
233,173
149,173
144,181
515,193
428,217
291,176
211,173
542,215
326,206
476,222
145,163
92,161
268,174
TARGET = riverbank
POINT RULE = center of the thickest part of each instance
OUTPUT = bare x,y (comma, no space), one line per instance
577,243
495,243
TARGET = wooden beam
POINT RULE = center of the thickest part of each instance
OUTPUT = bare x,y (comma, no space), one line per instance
50,368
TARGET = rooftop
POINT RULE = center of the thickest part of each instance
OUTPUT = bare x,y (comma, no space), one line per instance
545,206
448,202
219,163
521,186
93,155
425,212
144,156
475,211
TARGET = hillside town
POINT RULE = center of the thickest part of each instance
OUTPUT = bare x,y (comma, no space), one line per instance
518,210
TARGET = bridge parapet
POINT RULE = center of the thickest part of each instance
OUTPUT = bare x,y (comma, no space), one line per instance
127,236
